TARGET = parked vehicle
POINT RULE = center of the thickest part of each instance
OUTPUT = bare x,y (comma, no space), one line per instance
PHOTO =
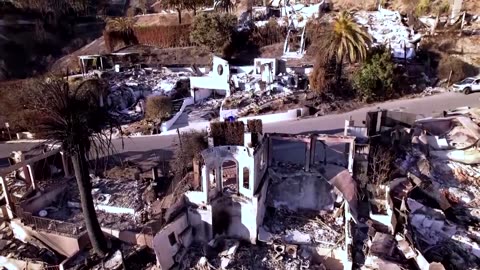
467,85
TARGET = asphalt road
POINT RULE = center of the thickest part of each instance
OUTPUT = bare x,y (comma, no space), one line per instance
161,146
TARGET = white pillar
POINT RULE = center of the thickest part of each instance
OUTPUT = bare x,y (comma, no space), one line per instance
307,155
66,164
205,183
8,202
351,157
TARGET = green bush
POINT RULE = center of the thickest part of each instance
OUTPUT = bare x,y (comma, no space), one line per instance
374,81
213,30
158,108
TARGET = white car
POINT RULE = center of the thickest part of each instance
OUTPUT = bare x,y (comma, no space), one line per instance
467,86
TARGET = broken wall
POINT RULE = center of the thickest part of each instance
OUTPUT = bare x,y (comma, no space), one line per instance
171,239
243,157
260,201
300,192
235,217
12,263
63,244
200,220
261,162
42,200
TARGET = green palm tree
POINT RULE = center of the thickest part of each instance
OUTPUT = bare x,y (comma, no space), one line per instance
73,118
122,27
345,39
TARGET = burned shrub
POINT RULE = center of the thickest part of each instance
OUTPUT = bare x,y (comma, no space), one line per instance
269,34
227,133
191,145
158,108
255,126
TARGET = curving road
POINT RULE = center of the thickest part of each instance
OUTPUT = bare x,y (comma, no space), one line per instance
161,146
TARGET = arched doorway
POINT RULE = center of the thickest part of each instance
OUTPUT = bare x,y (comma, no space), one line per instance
230,177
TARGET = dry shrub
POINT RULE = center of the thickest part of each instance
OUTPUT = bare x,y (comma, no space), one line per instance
255,126
355,4
322,77
158,107
227,133
381,160
191,145
164,36
421,7
14,96
459,69
269,34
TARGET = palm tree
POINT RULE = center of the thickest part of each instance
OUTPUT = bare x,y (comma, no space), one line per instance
73,118
345,39
123,28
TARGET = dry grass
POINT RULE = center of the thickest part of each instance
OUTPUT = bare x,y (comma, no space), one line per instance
272,51
355,4
456,66
158,19
472,6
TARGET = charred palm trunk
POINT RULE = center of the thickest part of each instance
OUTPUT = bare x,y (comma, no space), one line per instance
80,166
338,70
179,16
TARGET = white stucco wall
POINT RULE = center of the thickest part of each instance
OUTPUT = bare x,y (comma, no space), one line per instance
243,156
261,164
258,62
168,124
267,118
214,80
164,251
277,117
17,264
201,94
260,200
200,220
237,215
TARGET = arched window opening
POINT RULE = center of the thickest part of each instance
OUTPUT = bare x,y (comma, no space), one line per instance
246,178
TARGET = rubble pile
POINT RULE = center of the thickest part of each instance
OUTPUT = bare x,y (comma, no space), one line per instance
435,192
298,14
11,247
318,229
129,89
223,253
208,109
248,103
386,28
